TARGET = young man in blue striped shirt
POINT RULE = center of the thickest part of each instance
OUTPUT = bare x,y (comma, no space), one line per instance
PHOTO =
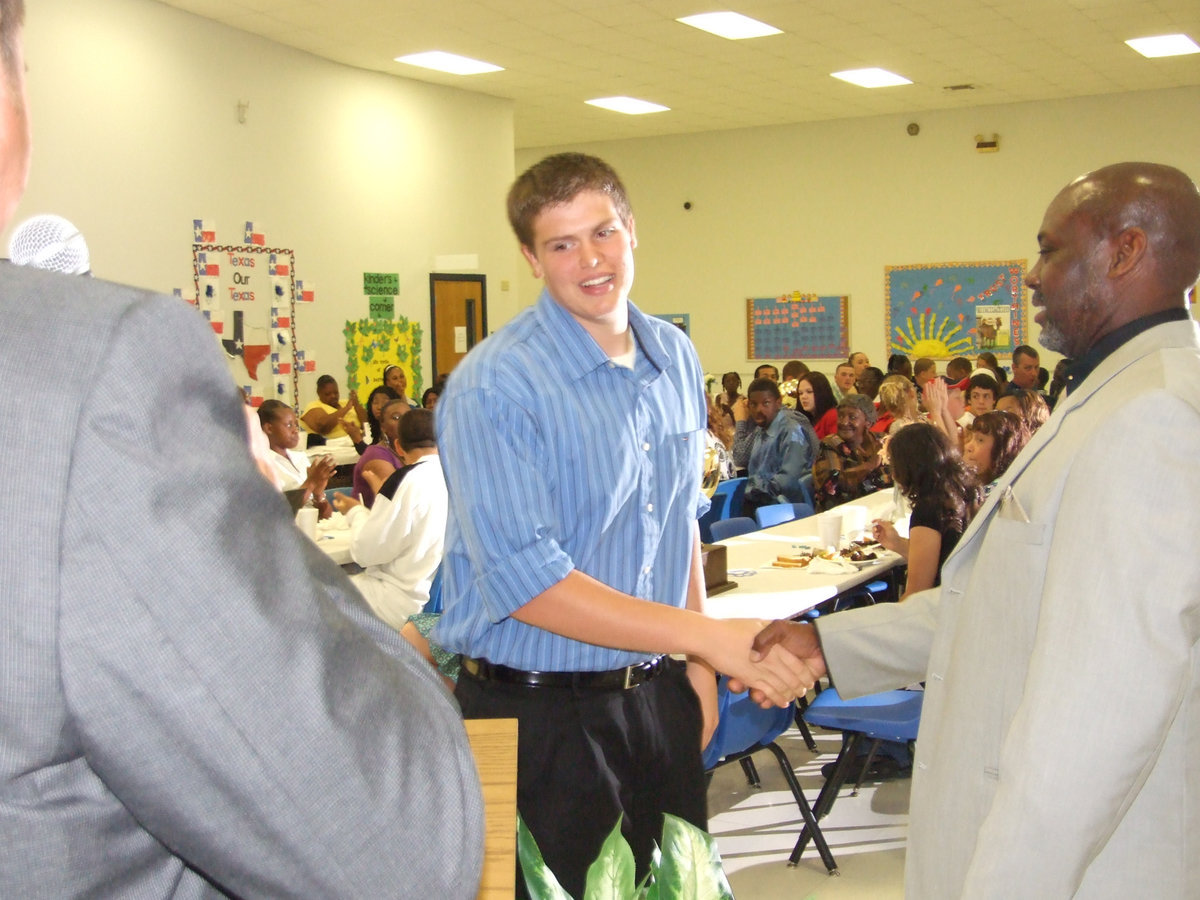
572,442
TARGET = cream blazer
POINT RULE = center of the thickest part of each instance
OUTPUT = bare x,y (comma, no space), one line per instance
1059,751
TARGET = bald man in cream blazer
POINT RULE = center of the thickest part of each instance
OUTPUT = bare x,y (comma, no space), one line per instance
1059,748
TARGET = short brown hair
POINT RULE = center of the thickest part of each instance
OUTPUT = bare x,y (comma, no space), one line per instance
557,180
12,17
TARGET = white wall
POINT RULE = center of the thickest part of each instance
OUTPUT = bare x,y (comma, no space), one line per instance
825,207
135,134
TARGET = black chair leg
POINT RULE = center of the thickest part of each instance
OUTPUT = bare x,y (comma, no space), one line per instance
866,766
802,726
829,792
810,820
751,773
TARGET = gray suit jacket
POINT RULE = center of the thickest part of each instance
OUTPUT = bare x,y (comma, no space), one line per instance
1059,751
193,700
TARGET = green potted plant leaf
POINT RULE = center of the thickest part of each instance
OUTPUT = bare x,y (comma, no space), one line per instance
686,866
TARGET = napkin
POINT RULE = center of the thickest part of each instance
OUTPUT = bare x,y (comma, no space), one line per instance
822,566
336,522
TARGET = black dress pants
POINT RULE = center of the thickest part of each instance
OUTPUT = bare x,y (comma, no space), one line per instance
587,757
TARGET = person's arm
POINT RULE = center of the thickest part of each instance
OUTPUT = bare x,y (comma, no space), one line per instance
702,676
583,609
887,536
924,550
378,534
316,479
224,683
743,433
316,419
935,396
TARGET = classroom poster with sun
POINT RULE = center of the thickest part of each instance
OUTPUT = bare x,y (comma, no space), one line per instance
943,310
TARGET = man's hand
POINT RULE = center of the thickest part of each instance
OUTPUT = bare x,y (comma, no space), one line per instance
344,502
741,409
776,675
798,642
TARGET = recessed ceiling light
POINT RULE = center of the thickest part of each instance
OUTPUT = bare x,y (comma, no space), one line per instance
452,63
871,78
628,105
730,25
1164,45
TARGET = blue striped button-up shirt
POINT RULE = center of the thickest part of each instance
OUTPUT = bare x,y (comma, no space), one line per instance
557,459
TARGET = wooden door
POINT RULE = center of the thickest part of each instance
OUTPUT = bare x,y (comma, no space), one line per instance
458,313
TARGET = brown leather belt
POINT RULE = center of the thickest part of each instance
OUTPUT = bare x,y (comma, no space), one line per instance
611,680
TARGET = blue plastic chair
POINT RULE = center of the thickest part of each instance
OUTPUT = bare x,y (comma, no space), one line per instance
727,528
888,716
329,492
774,514
736,488
434,604
726,503
778,513
743,729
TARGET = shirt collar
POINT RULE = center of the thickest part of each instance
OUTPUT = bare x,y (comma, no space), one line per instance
578,353
1114,340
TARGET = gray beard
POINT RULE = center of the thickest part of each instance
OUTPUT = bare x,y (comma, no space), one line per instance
1052,338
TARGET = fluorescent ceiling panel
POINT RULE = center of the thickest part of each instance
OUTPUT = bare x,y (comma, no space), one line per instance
629,105
1164,45
730,25
871,78
452,63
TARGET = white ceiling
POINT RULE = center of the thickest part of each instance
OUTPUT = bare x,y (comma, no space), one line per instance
556,54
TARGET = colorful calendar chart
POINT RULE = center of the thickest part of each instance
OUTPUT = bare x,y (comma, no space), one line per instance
797,326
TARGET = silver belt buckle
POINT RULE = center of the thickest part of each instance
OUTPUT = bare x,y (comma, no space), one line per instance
628,677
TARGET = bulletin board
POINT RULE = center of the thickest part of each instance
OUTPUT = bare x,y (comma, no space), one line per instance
374,344
943,310
797,326
248,293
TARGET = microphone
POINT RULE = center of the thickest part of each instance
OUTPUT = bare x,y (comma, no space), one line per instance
52,243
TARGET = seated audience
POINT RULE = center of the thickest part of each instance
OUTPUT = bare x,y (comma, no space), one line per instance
293,469
394,377
943,495
982,391
718,443
899,364
867,382
924,369
399,540
843,381
991,443
815,399
731,388
327,420
945,405
1025,365
376,401
380,460
849,464
430,398
958,369
792,371
776,446
897,405
1030,406
766,370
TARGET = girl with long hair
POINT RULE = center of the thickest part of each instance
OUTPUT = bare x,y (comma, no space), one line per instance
943,494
